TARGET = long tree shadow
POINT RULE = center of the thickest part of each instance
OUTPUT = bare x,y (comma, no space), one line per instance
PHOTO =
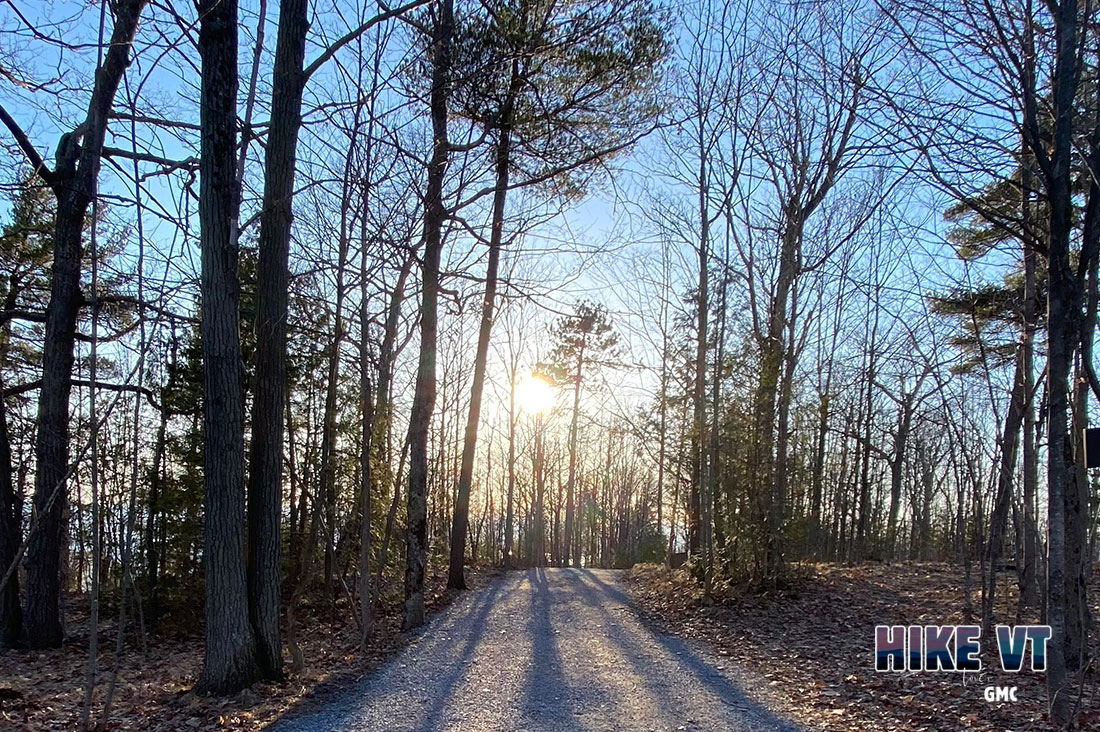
594,592
343,713
472,628
643,664
546,677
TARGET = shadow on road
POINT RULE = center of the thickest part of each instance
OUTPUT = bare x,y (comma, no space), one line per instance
472,628
546,677
595,591
342,713
569,657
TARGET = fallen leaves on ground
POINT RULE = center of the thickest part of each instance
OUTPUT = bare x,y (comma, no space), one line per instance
44,690
813,644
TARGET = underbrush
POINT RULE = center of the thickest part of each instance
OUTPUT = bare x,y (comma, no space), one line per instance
43,690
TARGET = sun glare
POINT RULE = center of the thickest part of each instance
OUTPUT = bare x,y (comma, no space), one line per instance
535,395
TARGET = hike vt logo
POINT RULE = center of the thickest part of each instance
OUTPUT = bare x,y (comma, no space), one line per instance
956,648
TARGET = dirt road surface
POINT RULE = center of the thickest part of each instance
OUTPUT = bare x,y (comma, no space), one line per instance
546,650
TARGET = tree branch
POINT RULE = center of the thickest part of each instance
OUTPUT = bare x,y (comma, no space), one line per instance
145,305
385,15
40,167
155,121
168,164
32,385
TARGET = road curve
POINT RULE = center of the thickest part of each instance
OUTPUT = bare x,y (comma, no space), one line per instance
544,650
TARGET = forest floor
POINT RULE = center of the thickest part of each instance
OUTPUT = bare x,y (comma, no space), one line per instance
43,690
814,645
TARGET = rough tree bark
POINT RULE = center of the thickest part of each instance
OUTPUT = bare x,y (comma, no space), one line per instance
772,354
1063,313
265,473
1078,549
1078,616
231,660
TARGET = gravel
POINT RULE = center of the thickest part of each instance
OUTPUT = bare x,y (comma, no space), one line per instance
546,649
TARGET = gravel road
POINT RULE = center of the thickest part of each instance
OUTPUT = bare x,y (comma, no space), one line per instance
546,649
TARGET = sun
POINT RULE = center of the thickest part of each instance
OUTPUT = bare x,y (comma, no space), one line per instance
535,395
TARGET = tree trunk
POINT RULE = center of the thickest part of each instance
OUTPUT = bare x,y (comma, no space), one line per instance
573,428
927,487
1059,477
859,547
1078,545
154,544
11,534
424,394
712,524
456,579
538,555
152,564
1010,439
92,663
897,466
391,519
769,483
328,429
1030,571
699,387
366,416
1063,313
231,659
383,408
1030,574
817,477
1077,511
509,511
11,513
265,477
366,397
789,360
74,182
662,422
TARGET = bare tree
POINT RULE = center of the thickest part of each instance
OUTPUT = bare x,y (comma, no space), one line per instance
231,661
73,179
442,31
